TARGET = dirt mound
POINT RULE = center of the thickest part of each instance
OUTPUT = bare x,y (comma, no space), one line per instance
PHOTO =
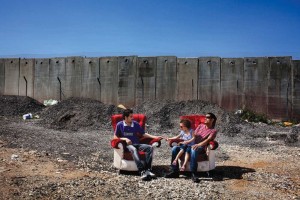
18,105
164,115
78,113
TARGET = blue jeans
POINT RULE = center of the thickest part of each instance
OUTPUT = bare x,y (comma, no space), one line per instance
193,160
148,149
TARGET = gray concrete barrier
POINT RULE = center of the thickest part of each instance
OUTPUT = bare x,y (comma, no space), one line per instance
12,73
296,90
91,79
127,80
256,75
26,78
73,77
279,87
41,79
2,76
209,83
145,80
232,83
166,78
109,80
187,78
266,85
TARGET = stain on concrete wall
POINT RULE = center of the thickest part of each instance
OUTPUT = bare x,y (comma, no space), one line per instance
145,80
109,80
279,87
127,80
26,78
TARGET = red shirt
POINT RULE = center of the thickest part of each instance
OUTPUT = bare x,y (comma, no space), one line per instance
202,132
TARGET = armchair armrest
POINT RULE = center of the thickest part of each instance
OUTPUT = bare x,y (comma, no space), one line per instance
115,143
174,142
213,145
151,141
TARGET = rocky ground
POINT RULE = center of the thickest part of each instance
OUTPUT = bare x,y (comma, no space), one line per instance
65,153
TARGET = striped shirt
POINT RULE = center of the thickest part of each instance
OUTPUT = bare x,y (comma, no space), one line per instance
202,132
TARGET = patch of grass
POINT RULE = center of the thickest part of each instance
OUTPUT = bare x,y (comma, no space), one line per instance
254,117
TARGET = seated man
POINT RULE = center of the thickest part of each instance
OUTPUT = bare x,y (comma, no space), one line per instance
204,133
129,131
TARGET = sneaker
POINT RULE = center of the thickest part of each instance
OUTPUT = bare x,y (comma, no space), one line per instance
149,173
195,179
172,175
144,176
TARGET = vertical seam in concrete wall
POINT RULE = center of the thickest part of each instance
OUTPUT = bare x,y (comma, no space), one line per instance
155,79
19,77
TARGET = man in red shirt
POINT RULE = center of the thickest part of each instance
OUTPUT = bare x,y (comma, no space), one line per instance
204,133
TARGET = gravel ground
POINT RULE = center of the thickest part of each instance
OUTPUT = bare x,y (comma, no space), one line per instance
66,154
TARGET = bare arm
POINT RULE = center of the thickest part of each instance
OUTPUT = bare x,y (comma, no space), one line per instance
147,135
204,142
188,141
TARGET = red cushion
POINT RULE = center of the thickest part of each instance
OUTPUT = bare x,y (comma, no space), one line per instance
140,118
195,120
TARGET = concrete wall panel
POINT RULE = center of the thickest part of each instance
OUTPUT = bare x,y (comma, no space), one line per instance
256,73
166,78
91,79
73,77
2,76
57,78
127,80
41,82
279,90
26,79
209,79
12,73
232,70
296,90
187,78
109,80
145,82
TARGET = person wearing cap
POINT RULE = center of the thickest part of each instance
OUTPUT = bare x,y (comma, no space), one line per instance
204,133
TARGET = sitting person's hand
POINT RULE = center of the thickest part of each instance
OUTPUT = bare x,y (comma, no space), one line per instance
128,141
195,146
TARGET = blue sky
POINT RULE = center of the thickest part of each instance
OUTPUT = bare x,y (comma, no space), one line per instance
182,28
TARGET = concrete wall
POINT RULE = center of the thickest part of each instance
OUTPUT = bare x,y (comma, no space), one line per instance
145,79
187,78
232,81
26,78
296,90
267,85
2,76
209,83
256,75
12,74
279,87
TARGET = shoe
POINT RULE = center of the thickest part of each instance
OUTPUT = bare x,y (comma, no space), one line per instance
195,179
144,176
149,173
172,175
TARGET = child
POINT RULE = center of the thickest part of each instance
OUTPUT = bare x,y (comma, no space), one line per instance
186,134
